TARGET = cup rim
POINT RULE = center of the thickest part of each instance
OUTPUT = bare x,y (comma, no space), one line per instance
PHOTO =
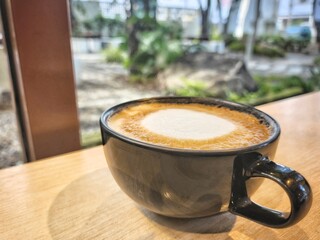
201,100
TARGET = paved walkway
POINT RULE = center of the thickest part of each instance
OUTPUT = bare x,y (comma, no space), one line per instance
101,85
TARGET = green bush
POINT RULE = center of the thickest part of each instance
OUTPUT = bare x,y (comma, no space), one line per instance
215,34
285,43
296,44
269,46
274,40
237,46
114,54
158,47
316,61
268,50
91,139
314,81
192,88
271,88
228,39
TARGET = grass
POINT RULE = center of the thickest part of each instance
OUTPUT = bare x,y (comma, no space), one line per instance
272,88
251,99
261,49
317,61
91,139
192,88
114,54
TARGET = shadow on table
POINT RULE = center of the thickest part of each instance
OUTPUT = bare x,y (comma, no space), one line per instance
91,207
219,223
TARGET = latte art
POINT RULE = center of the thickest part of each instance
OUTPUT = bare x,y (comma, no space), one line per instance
189,126
186,124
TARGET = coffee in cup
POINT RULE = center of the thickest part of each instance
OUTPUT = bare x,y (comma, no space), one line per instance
190,126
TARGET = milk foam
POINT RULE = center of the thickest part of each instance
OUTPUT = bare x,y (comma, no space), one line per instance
186,124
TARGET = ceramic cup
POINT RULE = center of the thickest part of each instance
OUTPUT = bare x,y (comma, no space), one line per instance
196,183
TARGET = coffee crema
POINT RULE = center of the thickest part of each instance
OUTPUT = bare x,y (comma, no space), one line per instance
189,126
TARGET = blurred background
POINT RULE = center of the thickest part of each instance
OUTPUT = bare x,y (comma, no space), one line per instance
247,51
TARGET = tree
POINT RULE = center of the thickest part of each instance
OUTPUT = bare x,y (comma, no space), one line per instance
233,5
205,20
75,23
316,18
252,38
220,15
289,22
256,20
141,16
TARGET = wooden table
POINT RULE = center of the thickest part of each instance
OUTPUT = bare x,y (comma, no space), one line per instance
74,196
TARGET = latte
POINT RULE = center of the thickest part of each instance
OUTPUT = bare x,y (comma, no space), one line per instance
189,126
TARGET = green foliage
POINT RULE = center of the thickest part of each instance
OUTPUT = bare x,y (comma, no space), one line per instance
228,39
254,98
285,43
263,46
278,83
96,25
268,50
313,84
274,40
296,44
114,54
192,88
215,35
314,81
91,139
158,47
268,45
143,24
195,47
88,24
237,46
76,6
115,26
316,61
271,88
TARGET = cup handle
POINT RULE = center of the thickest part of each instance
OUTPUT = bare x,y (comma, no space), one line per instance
295,185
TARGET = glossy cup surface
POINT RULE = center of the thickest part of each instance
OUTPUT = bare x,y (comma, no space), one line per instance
179,182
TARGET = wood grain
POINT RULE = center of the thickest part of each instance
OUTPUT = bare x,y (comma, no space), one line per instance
74,196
